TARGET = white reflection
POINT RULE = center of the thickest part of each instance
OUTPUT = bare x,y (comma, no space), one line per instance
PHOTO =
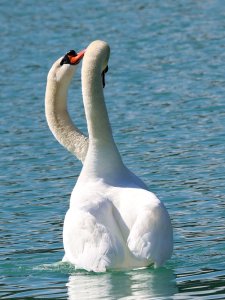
138,284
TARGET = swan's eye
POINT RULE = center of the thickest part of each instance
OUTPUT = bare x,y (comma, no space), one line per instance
69,58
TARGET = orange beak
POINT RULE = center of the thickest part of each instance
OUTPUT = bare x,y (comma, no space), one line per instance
74,60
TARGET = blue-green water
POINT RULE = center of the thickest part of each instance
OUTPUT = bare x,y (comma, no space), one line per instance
165,96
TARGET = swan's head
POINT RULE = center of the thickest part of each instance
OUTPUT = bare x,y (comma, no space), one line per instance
96,59
63,69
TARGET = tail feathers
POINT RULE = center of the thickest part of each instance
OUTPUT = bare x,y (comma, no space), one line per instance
151,236
89,244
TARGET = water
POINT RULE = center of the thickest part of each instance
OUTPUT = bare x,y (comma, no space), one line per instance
165,96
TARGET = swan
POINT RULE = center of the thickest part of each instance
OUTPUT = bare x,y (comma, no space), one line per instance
113,221
58,119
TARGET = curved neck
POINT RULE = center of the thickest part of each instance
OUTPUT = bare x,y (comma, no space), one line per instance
99,128
60,122
103,156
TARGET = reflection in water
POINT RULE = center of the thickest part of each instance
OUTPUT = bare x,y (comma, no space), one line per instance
138,284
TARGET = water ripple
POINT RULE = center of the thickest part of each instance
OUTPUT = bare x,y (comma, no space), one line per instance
165,97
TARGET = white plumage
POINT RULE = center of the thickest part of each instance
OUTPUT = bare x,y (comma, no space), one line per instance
113,221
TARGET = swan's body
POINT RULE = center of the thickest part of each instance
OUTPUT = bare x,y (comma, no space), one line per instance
113,221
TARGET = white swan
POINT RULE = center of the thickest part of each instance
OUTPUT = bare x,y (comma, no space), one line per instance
59,121
113,221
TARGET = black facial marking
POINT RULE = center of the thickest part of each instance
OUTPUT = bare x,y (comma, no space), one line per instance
103,75
66,59
72,53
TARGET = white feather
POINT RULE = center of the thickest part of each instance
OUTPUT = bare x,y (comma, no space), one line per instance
113,221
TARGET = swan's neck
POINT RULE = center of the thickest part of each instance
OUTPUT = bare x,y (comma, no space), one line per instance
99,128
103,156
59,120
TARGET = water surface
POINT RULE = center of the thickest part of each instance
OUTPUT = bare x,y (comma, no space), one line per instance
165,96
